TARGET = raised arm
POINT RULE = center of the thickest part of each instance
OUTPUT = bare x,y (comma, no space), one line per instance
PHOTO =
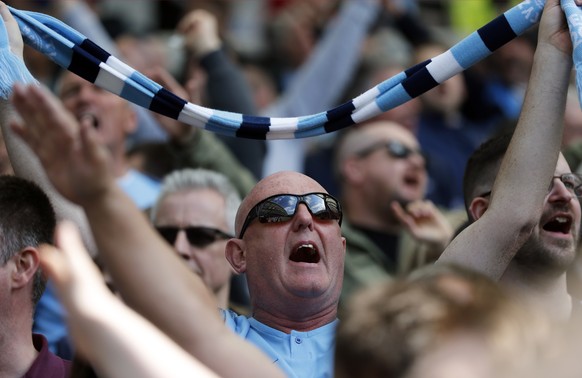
25,164
144,267
517,198
104,329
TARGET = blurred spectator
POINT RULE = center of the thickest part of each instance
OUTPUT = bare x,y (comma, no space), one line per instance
319,83
446,132
507,76
443,321
389,227
195,214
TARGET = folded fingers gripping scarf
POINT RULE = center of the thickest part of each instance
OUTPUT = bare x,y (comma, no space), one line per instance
73,51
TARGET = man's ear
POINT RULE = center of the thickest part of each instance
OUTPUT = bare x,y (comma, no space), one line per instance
478,207
27,263
351,170
236,255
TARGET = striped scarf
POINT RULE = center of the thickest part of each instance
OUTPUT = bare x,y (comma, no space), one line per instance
74,52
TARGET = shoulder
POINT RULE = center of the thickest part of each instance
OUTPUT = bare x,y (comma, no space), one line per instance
47,364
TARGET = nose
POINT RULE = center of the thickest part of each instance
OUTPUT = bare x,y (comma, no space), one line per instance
186,251
182,245
302,218
417,159
83,96
559,192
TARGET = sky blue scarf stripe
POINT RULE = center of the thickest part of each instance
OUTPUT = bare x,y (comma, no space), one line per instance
574,17
73,51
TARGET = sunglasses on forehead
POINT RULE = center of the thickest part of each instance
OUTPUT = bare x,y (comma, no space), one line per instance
395,149
282,207
197,236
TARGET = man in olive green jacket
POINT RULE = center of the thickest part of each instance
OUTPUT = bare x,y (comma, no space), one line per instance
390,229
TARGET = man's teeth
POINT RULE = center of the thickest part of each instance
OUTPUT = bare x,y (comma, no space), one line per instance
561,219
306,253
89,117
309,246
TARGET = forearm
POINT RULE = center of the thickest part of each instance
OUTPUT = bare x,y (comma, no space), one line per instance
322,79
148,274
224,77
226,86
123,344
532,155
136,256
26,165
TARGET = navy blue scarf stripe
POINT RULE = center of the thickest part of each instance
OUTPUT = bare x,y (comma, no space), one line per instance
496,33
84,64
167,103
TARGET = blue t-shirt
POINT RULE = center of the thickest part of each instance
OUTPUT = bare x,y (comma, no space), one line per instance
140,188
298,354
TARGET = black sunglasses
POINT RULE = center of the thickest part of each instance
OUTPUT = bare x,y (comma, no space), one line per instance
395,149
572,182
282,207
197,236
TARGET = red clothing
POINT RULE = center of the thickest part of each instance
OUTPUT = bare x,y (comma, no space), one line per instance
46,364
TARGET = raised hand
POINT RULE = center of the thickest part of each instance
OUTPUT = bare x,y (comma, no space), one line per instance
200,31
424,222
13,35
77,165
553,27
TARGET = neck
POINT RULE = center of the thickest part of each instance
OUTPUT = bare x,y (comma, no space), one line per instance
17,351
119,167
548,293
118,162
297,320
222,295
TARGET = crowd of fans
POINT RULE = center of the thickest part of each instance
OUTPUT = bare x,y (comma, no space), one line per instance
424,242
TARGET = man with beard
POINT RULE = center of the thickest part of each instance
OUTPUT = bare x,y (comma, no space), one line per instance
538,268
389,227
520,194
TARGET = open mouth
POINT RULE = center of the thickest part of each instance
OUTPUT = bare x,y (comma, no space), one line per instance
306,253
412,180
89,117
559,224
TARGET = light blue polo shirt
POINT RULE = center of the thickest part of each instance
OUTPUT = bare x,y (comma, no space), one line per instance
143,190
299,354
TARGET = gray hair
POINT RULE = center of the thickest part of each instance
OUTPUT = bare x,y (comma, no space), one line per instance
199,179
